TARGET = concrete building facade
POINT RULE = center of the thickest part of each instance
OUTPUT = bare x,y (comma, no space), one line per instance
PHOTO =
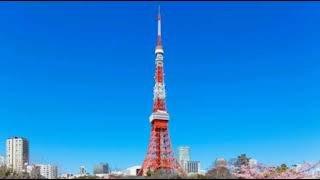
102,168
189,166
183,153
192,167
17,154
48,171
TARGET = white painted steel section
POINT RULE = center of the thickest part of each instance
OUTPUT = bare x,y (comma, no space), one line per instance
159,115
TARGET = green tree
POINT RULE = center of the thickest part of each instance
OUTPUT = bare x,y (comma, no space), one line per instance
282,168
198,176
242,160
149,173
162,174
87,177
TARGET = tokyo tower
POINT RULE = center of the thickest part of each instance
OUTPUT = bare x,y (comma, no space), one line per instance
160,156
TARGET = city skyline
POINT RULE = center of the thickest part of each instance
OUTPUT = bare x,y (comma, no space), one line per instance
241,78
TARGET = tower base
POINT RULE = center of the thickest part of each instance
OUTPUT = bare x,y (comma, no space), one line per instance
160,159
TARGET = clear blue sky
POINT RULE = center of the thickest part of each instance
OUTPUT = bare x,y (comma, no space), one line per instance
76,79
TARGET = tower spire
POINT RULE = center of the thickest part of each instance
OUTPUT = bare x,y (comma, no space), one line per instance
159,22
159,43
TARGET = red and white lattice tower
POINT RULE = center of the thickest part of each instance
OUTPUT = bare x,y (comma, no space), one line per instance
160,156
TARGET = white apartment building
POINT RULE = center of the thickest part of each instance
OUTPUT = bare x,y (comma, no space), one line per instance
48,171
45,171
192,167
17,153
183,156
131,171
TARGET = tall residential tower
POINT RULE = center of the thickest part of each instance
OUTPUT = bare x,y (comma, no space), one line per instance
17,153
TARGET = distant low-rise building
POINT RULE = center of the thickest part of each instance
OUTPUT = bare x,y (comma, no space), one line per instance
202,172
192,167
103,176
131,171
66,176
83,170
80,175
48,171
117,173
42,171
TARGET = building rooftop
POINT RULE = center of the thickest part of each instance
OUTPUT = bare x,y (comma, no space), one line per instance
16,137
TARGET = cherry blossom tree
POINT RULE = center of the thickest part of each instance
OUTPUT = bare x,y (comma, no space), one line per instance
262,172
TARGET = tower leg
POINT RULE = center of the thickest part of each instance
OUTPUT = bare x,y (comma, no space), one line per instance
160,156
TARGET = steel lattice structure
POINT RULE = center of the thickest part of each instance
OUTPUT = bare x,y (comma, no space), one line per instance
160,156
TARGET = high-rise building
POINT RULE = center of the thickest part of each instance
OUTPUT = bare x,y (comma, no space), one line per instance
184,153
83,170
17,153
189,166
102,168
